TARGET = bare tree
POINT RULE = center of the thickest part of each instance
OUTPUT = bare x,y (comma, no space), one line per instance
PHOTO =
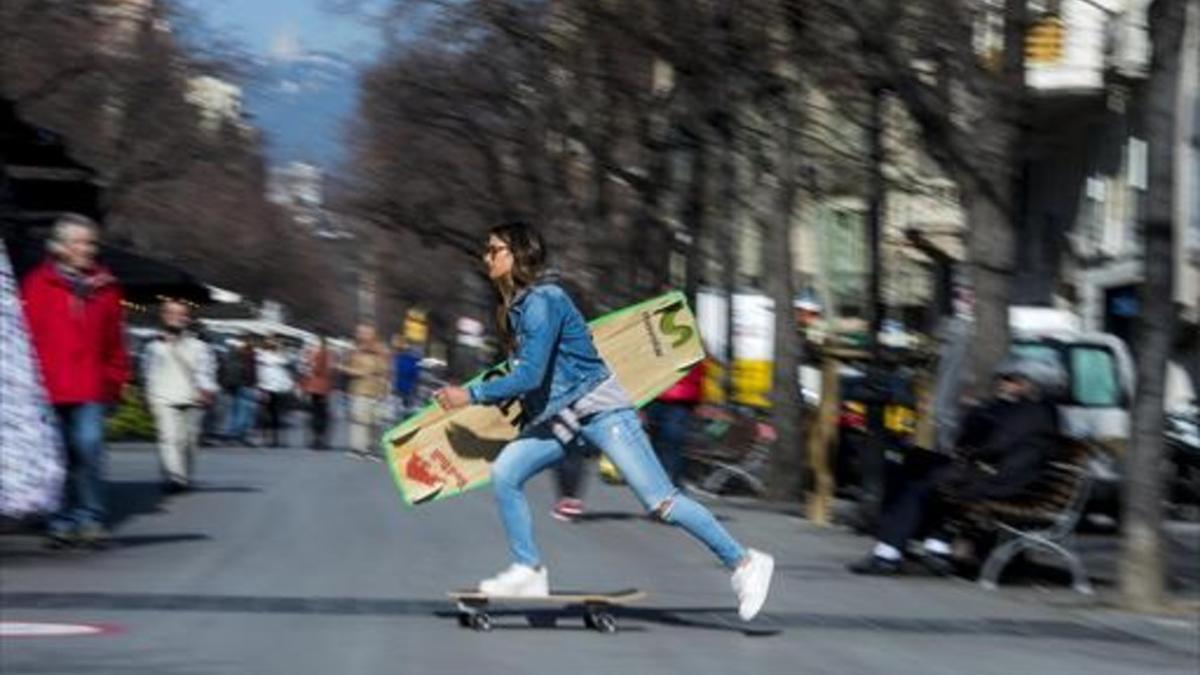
968,108
1142,564
112,80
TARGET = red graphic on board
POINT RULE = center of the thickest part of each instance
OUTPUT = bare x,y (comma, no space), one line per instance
421,471
418,470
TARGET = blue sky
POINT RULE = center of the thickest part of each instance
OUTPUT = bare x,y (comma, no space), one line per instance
280,27
302,115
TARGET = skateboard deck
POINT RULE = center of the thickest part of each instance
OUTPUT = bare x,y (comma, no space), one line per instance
595,608
436,454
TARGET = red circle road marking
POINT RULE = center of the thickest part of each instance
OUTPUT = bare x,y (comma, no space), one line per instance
21,629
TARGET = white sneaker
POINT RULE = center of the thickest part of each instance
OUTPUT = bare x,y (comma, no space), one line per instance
518,581
751,581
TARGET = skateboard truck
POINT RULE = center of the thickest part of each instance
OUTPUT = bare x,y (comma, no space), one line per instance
596,608
474,615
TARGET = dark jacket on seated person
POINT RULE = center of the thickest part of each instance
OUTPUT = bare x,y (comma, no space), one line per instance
1007,445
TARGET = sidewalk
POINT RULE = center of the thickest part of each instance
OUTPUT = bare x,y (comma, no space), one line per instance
1042,590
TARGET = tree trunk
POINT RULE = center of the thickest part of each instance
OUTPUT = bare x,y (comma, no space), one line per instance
1142,566
990,250
721,108
990,207
728,222
787,406
695,216
871,502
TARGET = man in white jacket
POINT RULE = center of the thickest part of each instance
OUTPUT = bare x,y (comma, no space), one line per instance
180,382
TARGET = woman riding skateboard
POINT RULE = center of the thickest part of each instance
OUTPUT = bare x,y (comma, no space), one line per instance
566,390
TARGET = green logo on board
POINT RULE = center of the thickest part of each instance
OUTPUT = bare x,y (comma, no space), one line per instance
679,335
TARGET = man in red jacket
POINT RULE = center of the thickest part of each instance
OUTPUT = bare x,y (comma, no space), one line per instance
73,307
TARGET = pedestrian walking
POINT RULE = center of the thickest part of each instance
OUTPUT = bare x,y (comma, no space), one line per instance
367,370
406,373
239,379
216,411
181,383
317,384
566,391
274,370
570,481
73,310
667,418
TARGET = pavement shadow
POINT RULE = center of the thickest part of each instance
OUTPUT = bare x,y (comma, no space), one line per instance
601,516
719,619
700,618
139,540
222,489
32,548
812,571
124,500
127,499
1024,571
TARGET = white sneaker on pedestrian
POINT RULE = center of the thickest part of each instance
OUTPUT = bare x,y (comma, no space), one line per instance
751,581
518,581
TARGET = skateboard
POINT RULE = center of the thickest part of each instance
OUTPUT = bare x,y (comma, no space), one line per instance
596,608
436,454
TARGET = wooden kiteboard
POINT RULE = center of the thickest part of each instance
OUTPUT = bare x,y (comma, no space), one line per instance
436,454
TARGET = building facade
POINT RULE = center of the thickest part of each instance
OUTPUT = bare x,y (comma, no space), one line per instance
1085,171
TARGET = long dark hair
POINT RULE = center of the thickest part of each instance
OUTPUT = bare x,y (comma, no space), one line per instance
529,260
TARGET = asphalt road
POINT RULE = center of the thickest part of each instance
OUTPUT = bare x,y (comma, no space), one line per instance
293,561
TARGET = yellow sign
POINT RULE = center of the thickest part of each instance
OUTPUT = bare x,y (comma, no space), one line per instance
751,382
1044,41
416,327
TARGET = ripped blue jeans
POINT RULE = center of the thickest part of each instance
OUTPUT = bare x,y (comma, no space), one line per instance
619,435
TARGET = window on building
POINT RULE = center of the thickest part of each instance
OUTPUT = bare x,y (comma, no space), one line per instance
843,255
1093,213
1193,242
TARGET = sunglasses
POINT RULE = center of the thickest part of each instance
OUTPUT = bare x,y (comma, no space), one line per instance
493,249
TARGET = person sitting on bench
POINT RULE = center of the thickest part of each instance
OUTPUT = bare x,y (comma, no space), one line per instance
1003,447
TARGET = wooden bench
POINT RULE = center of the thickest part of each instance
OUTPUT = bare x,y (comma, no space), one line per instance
1043,518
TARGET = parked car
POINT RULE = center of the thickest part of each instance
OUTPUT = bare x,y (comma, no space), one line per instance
1182,437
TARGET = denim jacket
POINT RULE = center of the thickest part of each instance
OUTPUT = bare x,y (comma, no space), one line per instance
555,362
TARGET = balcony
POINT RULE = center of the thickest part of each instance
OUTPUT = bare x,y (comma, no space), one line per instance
1072,46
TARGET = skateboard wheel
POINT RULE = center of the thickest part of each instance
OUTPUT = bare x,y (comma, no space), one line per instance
605,623
464,620
481,623
600,621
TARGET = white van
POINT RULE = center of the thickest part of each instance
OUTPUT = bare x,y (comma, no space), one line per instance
1100,371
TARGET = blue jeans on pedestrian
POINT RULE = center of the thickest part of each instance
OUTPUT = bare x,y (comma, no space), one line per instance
619,435
82,426
242,412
